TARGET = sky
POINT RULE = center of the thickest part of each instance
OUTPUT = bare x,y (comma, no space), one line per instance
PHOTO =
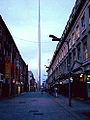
21,18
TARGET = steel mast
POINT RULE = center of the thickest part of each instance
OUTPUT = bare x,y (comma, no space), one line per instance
39,45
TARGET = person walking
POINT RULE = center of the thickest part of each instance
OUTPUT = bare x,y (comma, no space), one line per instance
55,92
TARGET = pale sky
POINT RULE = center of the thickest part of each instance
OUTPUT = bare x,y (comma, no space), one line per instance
21,18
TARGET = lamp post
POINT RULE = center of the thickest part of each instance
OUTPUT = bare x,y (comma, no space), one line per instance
54,38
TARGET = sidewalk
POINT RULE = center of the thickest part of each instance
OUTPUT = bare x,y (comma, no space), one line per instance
78,108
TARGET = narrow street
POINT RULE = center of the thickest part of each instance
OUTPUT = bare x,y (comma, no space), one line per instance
37,106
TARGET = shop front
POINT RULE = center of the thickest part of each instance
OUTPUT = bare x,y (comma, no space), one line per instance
87,78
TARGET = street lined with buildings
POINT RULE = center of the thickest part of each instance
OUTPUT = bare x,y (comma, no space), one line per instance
37,106
68,75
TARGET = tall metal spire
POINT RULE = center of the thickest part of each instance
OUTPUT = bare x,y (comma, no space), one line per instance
39,45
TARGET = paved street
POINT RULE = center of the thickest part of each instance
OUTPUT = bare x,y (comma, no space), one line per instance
37,106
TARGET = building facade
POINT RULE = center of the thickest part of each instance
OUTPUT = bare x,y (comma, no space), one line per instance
31,82
71,59
13,69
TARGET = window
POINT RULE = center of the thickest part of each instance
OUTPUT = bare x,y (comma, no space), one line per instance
89,11
64,50
89,14
60,56
70,43
74,54
68,62
83,23
0,31
79,52
77,31
85,50
65,66
0,46
4,51
70,59
73,38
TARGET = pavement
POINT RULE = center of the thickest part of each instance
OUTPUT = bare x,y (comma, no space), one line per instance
37,106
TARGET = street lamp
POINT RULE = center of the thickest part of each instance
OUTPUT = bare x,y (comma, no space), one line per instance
46,66
54,38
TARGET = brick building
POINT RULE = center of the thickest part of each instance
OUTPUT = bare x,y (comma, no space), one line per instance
31,81
72,60
13,69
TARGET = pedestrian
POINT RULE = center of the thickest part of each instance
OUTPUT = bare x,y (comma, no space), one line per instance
42,90
56,92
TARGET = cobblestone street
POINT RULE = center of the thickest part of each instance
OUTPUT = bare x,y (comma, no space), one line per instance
37,106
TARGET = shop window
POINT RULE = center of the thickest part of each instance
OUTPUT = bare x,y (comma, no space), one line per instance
85,50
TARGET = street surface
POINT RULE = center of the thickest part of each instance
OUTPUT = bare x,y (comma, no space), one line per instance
37,106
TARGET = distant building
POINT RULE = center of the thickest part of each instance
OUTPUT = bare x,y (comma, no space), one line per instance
77,58
31,81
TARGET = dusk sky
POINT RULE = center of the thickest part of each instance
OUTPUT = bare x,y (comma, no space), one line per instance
21,18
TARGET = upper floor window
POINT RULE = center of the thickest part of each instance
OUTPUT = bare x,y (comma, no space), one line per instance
63,50
73,38
60,56
85,50
79,52
0,31
0,46
83,23
89,14
70,43
70,58
4,51
62,53
77,31
74,54
89,11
